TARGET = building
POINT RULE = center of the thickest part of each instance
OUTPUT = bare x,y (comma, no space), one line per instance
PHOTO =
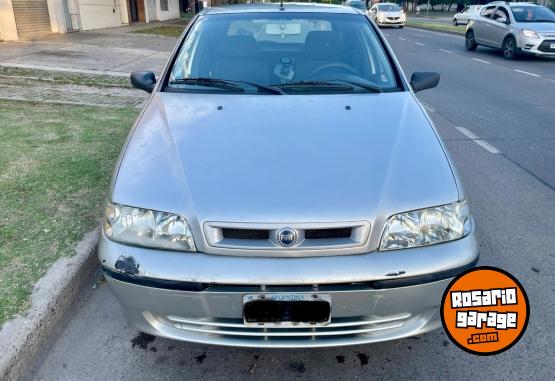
25,19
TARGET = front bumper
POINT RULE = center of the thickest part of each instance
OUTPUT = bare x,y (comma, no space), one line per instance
537,46
199,297
388,22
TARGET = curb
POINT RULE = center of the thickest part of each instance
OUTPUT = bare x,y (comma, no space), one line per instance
435,30
23,338
66,69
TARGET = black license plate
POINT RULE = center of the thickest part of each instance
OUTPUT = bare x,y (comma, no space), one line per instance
286,309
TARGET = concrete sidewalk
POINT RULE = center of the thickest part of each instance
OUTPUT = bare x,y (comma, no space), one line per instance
112,50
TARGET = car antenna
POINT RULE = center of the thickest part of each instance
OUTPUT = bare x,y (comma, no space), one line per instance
281,7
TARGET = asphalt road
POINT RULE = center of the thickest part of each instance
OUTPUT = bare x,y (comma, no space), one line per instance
499,126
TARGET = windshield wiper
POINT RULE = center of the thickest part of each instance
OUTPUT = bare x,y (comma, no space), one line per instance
334,84
268,88
315,84
208,82
226,84
311,83
363,85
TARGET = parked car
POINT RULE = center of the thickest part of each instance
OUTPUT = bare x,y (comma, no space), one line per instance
388,14
357,4
466,14
283,187
515,28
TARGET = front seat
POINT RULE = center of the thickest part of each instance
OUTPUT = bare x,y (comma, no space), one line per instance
236,58
322,48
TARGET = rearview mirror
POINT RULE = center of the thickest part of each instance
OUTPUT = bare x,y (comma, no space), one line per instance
424,80
283,29
143,80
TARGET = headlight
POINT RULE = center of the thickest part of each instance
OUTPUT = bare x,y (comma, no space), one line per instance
146,227
426,226
403,17
530,33
381,18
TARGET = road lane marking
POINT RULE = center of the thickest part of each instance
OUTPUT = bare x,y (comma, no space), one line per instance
488,147
446,51
552,80
402,39
428,107
527,73
419,43
482,61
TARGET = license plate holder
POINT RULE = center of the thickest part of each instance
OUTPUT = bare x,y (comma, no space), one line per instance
286,310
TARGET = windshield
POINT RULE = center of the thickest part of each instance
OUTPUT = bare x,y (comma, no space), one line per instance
389,8
532,14
276,49
358,5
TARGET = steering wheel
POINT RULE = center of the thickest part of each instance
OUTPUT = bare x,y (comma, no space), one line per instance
336,65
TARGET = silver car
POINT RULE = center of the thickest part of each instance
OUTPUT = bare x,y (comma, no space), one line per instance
388,14
357,4
283,187
467,13
515,28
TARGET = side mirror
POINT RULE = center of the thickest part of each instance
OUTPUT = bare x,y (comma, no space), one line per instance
143,80
424,80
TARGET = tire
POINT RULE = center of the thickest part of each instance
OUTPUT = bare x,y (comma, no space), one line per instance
455,23
401,26
509,48
470,41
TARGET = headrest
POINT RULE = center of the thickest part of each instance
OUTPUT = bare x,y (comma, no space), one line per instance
323,44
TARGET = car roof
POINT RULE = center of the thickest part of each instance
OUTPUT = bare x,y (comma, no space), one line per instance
275,7
512,4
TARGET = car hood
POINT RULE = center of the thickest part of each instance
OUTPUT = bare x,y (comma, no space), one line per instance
538,26
284,158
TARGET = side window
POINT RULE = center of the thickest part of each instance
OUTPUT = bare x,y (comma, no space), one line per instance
488,12
501,13
464,10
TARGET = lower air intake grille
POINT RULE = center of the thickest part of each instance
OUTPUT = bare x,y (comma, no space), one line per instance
546,46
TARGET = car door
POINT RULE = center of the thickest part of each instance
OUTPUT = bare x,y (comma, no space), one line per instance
481,25
462,17
373,11
499,26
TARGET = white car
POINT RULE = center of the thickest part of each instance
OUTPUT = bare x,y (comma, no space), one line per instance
466,14
388,14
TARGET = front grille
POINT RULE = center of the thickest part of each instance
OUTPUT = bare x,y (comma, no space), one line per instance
393,18
546,46
327,233
263,239
250,234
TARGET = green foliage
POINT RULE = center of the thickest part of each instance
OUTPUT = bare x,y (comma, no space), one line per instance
55,166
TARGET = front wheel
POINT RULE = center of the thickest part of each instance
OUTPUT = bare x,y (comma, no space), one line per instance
470,41
401,26
455,23
509,48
